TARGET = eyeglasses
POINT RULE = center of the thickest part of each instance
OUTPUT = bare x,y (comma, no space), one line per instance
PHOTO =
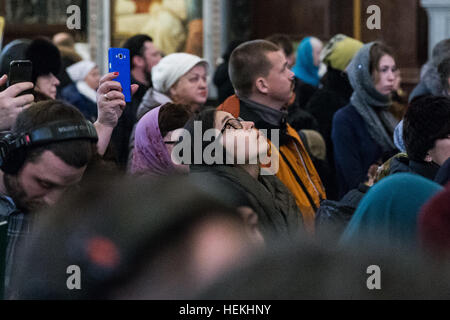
232,123
174,142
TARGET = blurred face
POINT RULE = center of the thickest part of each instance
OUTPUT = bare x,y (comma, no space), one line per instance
93,78
241,140
42,183
170,139
441,151
217,245
47,85
385,76
192,88
317,49
151,55
280,80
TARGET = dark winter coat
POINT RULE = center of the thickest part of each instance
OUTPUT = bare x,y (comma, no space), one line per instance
298,117
334,94
354,149
87,107
400,163
274,204
223,83
443,175
121,134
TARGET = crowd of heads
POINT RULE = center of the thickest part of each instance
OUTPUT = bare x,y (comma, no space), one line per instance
171,196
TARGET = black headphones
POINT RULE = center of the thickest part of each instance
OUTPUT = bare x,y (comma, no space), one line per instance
13,146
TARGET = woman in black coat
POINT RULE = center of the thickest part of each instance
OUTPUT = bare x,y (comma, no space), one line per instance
266,195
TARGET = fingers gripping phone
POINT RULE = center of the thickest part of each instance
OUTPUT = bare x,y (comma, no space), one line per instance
20,71
119,61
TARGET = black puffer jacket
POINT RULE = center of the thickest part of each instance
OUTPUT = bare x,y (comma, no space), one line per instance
334,94
400,163
298,117
443,175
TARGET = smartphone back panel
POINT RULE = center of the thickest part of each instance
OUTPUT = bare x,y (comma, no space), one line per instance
119,61
20,71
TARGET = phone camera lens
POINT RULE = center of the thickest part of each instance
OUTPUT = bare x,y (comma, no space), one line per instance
120,56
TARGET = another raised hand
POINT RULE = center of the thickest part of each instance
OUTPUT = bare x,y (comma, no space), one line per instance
11,104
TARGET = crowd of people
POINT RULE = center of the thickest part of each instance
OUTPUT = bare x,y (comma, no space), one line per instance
310,167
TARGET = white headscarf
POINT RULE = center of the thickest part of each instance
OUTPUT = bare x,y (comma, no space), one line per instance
80,70
171,68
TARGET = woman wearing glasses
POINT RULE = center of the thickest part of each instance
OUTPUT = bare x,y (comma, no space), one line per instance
240,147
155,138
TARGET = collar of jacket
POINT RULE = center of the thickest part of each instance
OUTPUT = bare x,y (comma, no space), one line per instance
264,117
401,163
425,169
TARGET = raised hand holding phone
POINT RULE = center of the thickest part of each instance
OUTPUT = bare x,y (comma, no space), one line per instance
119,62
12,103
110,106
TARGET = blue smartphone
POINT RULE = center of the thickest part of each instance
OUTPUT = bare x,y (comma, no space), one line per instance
119,61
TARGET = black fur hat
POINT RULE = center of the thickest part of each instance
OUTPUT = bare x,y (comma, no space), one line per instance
45,57
427,120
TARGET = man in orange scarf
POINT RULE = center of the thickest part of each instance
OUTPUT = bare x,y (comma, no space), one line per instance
264,86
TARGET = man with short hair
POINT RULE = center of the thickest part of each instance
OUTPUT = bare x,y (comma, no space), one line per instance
144,55
37,173
47,153
264,86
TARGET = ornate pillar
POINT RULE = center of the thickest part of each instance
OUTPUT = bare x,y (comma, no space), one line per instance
99,34
215,16
438,21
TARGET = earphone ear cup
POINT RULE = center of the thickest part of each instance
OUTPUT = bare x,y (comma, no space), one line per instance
13,161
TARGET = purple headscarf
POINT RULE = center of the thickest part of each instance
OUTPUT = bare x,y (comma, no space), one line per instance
150,155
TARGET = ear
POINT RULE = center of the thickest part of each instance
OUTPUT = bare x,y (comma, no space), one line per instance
261,85
138,61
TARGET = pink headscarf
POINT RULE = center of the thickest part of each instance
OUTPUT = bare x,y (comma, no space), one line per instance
150,155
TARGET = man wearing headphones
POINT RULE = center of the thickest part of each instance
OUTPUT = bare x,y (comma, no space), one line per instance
46,153
11,102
